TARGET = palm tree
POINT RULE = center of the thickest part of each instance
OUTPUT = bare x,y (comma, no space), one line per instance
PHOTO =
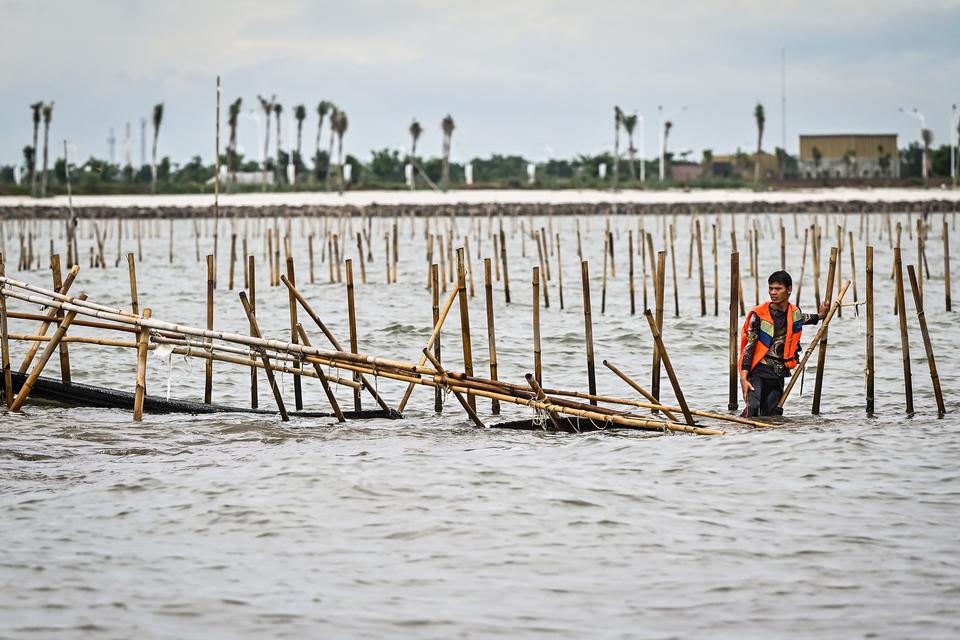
277,111
32,167
617,119
447,126
817,159
629,124
334,111
267,106
340,126
157,119
300,114
47,111
761,119
233,117
707,163
415,131
927,136
666,134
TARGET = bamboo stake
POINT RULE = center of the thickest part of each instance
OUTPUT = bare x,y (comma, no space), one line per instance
853,274
542,255
803,265
703,291
870,358
665,358
813,344
64,351
252,288
465,321
603,281
904,342
506,273
491,329
467,404
927,345
294,334
559,272
732,347
49,318
134,300
434,336
716,274
255,329
537,362
822,354
55,339
208,366
588,328
233,261
352,325
141,388
946,265
435,294
636,387
363,263
540,396
658,287
331,398
4,342
673,267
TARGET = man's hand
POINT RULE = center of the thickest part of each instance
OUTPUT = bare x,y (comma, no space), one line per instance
745,386
824,308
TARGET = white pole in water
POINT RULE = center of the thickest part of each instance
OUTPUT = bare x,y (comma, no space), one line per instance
923,125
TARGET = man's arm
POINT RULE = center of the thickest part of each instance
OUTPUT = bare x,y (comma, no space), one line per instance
748,349
814,318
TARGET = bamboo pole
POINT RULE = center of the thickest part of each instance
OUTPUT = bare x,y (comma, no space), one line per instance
363,263
869,349
946,265
468,403
603,280
252,288
465,321
49,318
64,351
537,362
588,328
822,354
559,272
141,388
255,327
542,255
506,273
821,332
540,396
233,261
331,398
658,287
665,358
904,341
55,339
491,328
703,291
435,295
927,345
134,299
294,334
434,337
636,387
352,325
732,347
208,366
4,341
803,265
673,268
853,274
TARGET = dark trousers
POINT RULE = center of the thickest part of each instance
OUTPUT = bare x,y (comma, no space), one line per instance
762,400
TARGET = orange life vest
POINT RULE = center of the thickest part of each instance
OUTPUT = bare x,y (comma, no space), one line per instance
765,335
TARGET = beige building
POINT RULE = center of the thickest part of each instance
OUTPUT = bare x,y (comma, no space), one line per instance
849,155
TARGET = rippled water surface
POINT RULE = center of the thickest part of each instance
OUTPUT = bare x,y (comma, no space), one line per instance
838,525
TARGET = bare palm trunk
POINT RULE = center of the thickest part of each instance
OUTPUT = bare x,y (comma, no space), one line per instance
46,137
632,151
340,160
33,165
616,147
276,167
445,172
153,166
330,157
413,165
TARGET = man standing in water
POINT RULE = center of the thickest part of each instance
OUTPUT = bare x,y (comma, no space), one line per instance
770,346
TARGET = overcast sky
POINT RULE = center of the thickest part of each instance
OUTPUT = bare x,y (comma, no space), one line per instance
532,77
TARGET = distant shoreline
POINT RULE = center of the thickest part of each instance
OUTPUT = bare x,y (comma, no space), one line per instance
487,202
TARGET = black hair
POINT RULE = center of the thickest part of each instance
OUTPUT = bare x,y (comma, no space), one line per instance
782,277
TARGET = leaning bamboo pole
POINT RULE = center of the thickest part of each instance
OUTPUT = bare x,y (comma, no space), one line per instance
468,406
48,319
141,387
869,337
491,328
588,327
904,341
31,380
822,355
434,336
665,358
64,350
331,398
252,319
813,344
927,344
4,342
